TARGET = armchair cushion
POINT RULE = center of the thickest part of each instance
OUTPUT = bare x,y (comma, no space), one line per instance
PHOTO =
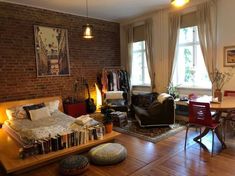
154,108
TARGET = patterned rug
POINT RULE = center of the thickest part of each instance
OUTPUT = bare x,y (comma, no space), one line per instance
152,134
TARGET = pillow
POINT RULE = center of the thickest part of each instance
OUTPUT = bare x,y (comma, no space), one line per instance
33,107
17,112
38,114
52,105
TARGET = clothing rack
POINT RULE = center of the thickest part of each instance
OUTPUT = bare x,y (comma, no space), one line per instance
117,84
113,68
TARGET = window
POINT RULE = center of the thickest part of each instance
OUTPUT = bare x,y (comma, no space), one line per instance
140,74
190,70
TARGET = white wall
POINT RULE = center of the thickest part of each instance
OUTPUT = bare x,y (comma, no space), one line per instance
226,37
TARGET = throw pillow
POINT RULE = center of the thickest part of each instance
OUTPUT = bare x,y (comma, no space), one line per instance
17,112
53,105
38,114
33,107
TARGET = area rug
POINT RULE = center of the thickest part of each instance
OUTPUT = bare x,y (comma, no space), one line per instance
152,134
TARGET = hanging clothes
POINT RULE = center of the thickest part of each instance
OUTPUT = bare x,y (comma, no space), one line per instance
115,80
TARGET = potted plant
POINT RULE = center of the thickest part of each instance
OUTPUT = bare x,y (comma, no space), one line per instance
74,106
218,82
108,120
76,88
172,90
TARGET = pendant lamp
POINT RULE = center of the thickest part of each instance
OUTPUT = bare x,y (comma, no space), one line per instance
179,3
87,29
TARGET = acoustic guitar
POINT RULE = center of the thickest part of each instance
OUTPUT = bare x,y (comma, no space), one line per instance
90,105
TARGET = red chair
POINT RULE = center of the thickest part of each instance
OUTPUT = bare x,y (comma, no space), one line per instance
230,115
200,116
229,93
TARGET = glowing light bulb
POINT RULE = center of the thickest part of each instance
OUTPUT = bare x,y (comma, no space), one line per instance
179,3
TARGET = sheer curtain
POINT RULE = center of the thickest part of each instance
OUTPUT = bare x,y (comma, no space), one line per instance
206,17
174,28
148,26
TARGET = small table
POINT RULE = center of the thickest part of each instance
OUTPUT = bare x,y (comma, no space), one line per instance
228,103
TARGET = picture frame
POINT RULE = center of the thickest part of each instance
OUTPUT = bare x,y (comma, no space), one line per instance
52,53
229,56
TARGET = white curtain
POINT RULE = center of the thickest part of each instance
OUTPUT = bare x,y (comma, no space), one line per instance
160,49
206,19
148,26
128,45
174,28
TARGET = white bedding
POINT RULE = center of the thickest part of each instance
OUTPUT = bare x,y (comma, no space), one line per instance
29,131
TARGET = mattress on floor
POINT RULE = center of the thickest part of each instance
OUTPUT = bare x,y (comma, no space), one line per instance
27,132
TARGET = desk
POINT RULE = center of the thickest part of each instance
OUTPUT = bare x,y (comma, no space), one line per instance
227,104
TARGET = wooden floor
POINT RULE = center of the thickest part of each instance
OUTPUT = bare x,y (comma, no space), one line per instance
167,157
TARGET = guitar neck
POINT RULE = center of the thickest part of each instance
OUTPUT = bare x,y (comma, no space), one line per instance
88,92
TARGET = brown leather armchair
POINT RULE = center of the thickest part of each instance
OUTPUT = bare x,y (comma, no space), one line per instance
150,112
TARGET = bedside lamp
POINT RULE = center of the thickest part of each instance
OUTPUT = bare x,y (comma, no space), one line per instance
98,97
1,118
3,115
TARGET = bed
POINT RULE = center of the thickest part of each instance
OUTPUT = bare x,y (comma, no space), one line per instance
26,131
43,128
9,148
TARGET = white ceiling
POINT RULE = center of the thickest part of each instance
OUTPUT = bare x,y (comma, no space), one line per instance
111,10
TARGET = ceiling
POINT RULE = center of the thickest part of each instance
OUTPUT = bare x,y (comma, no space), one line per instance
110,10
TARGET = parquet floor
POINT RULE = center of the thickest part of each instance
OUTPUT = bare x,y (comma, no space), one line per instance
167,157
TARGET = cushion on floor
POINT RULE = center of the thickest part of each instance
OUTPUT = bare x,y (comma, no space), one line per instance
74,165
108,154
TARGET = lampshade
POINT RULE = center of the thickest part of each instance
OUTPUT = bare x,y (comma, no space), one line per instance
87,31
179,3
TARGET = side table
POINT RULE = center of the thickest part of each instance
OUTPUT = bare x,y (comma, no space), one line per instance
76,109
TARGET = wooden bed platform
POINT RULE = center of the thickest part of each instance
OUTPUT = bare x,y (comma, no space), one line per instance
9,148
12,163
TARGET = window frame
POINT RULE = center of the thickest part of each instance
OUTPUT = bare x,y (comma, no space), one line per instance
142,51
194,44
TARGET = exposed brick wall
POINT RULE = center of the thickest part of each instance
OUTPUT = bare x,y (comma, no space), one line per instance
18,78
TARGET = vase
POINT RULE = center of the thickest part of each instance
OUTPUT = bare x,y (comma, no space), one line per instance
109,127
218,94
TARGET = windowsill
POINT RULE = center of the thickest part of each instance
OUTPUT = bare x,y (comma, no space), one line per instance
145,86
136,89
194,88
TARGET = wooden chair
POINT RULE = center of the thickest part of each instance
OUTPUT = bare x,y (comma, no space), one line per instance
200,116
229,115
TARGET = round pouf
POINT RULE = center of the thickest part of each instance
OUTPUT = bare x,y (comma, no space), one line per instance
108,154
74,165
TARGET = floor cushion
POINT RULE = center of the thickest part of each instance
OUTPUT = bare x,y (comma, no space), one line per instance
107,154
74,165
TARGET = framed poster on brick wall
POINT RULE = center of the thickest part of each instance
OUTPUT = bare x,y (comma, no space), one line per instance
52,54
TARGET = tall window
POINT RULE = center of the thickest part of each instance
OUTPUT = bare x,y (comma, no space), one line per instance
140,74
190,70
